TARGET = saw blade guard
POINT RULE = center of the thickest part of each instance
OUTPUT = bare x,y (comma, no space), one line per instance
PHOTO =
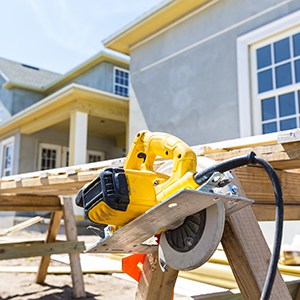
194,241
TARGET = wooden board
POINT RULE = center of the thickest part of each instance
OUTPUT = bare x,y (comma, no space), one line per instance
52,232
71,233
248,254
130,238
38,248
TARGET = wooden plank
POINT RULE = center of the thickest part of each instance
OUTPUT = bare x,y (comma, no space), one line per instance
281,156
257,185
22,225
51,184
34,248
30,208
154,284
71,233
131,237
52,232
266,212
248,255
29,203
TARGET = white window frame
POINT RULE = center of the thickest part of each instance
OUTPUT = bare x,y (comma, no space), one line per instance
5,143
249,108
93,152
61,158
58,149
118,84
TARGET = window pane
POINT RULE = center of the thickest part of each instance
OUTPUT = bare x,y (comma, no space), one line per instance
263,57
268,109
270,127
265,82
288,124
297,70
283,75
296,43
287,105
282,50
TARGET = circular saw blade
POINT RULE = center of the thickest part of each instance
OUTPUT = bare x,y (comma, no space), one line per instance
195,247
191,244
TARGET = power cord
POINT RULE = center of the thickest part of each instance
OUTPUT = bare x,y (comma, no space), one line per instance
252,159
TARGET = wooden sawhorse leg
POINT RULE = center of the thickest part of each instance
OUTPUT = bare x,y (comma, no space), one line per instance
248,256
51,237
155,284
71,233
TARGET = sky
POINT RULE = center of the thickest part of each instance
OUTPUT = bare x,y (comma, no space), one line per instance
58,35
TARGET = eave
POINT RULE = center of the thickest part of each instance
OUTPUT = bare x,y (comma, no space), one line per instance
104,55
57,107
150,23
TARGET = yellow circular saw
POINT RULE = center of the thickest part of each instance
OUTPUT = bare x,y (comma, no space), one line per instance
119,195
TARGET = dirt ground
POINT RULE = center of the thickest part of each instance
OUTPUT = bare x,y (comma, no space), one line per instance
22,285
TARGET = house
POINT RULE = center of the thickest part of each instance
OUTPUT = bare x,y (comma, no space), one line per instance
50,120
211,70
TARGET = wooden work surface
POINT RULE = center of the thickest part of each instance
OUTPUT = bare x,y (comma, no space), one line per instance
19,192
242,240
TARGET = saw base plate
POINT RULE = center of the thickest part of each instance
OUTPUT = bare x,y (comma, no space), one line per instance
131,237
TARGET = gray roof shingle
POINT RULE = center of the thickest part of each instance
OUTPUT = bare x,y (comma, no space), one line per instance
26,75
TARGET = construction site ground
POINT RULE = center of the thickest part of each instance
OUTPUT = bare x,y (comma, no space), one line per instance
21,283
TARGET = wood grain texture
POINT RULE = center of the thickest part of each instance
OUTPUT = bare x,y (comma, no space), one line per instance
154,284
71,233
52,232
257,185
248,255
266,212
38,248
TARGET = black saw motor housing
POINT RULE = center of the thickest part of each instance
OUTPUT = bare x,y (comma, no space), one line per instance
110,187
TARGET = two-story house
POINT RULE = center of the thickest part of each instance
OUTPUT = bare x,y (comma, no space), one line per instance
50,120
211,70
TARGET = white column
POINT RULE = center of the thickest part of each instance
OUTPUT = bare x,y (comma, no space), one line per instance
78,138
78,146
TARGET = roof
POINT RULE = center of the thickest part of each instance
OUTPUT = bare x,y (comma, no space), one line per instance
25,75
152,22
56,107
104,55
28,77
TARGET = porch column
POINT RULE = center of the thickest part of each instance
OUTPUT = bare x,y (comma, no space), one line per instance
78,146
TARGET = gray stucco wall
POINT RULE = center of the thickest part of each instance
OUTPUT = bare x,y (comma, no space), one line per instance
99,77
29,147
15,100
185,79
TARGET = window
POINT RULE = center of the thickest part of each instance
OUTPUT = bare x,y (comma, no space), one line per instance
270,96
49,156
55,156
278,77
7,153
121,82
94,156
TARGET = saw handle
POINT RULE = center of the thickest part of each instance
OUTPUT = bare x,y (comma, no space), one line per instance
148,145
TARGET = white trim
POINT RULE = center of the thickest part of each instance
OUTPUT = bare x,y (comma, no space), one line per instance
217,34
119,84
244,43
3,144
173,24
58,149
93,152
